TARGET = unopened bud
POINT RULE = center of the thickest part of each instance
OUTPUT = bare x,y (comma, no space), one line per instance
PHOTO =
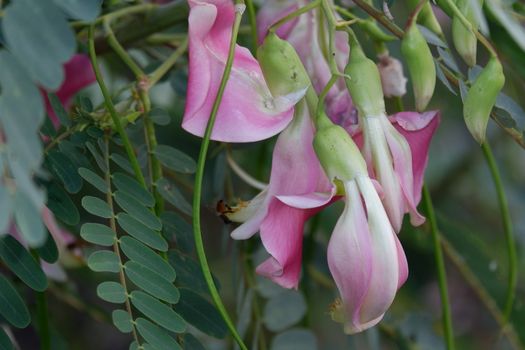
364,82
464,39
392,78
420,65
481,98
426,16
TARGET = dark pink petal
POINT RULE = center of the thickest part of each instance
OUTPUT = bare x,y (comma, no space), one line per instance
282,235
418,129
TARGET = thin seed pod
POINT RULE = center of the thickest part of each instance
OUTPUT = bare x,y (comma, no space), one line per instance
420,64
464,39
364,83
481,98
426,16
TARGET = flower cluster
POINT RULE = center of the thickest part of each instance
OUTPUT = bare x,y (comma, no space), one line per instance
357,153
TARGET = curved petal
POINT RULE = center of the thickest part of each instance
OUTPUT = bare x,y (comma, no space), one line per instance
271,12
350,259
282,235
248,112
418,129
385,261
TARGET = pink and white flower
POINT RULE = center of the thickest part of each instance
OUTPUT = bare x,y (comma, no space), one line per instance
248,112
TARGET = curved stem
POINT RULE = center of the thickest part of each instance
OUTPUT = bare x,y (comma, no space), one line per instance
240,172
440,266
507,228
166,65
197,233
294,14
253,23
112,111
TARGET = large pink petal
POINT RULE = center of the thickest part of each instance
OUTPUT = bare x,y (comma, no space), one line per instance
248,112
282,235
350,258
385,261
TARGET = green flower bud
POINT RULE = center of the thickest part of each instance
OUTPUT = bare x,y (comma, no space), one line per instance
464,40
481,98
364,82
338,154
426,17
282,68
420,65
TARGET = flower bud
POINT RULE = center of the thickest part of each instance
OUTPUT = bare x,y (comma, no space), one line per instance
464,39
481,98
426,17
364,83
420,65
392,78
282,68
334,148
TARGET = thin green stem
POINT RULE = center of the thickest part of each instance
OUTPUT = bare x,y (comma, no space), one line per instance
253,23
42,314
166,65
294,14
507,228
197,194
121,51
112,111
441,272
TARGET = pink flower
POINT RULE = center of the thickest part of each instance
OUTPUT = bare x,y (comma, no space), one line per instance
396,150
365,258
364,255
292,196
78,74
303,33
248,111
393,80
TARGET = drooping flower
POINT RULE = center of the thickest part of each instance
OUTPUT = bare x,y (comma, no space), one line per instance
248,111
292,196
365,257
386,150
78,74
303,33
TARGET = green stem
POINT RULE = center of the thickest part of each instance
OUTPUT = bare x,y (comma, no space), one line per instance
121,51
440,266
112,111
116,248
156,167
253,23
507,228
198,183
294,14
42,314
166,65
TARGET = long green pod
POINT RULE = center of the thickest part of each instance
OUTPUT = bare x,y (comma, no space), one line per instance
481,98
420,65
364,82
464,39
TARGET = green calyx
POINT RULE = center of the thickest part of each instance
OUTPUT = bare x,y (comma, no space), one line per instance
282,68
364,82
481,98
420,62
338,154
